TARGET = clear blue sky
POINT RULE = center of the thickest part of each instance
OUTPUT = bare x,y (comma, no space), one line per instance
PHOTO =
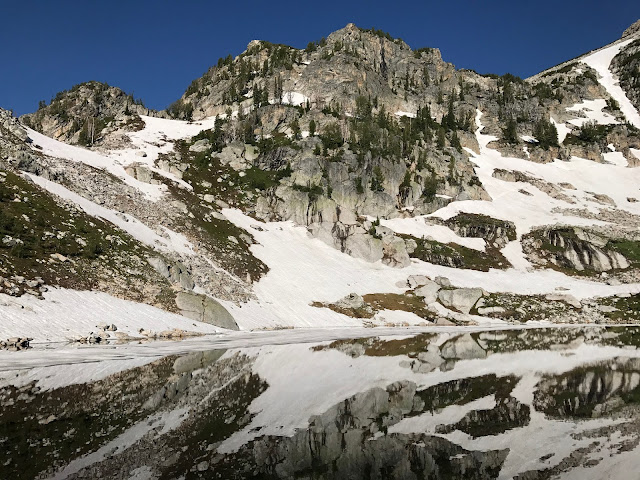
155,48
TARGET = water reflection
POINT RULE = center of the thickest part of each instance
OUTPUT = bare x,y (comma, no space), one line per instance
524,404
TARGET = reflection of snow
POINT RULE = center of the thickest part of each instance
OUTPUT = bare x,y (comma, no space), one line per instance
303,383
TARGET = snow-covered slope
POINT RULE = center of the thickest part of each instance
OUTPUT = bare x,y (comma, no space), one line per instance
600,62
307,271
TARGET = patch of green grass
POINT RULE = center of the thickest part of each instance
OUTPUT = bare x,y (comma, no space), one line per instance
628,308
630,249
35,226
257,179
405,302
374,302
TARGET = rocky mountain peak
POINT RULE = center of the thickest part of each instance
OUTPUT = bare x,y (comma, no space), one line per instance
634,28
333,71
80,114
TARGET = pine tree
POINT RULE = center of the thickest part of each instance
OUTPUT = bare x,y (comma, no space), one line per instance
449,120
377,180
295,129
455,141
426,79
510,132
546,134
442,140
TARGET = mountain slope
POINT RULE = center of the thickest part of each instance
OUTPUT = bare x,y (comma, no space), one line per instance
356,166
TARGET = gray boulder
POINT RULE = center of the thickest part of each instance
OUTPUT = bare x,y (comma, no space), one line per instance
417,280
205,309
460,299
353,300
443,281
200,146
175,272
562,297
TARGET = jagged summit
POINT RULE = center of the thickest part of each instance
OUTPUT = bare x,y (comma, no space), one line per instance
334,70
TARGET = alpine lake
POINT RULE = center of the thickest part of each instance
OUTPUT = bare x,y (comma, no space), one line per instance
534,403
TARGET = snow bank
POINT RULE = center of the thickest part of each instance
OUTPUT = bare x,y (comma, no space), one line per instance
65,313
304,270
294,98
401,113
530,211
157,138
419,227
57,149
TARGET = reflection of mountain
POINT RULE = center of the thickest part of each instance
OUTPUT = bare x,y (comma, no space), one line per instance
41,431
438,405
427,353
349,441
590,391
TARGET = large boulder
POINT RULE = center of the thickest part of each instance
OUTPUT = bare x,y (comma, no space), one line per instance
205,309
353,300
395,252
460,299
141,173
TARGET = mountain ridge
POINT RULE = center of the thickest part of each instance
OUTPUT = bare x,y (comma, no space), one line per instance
392,163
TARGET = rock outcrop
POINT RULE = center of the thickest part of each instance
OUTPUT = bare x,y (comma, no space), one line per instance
574,248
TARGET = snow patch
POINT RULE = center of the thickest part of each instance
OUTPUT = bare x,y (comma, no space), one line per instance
592,109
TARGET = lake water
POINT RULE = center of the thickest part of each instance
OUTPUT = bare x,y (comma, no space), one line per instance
525,404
